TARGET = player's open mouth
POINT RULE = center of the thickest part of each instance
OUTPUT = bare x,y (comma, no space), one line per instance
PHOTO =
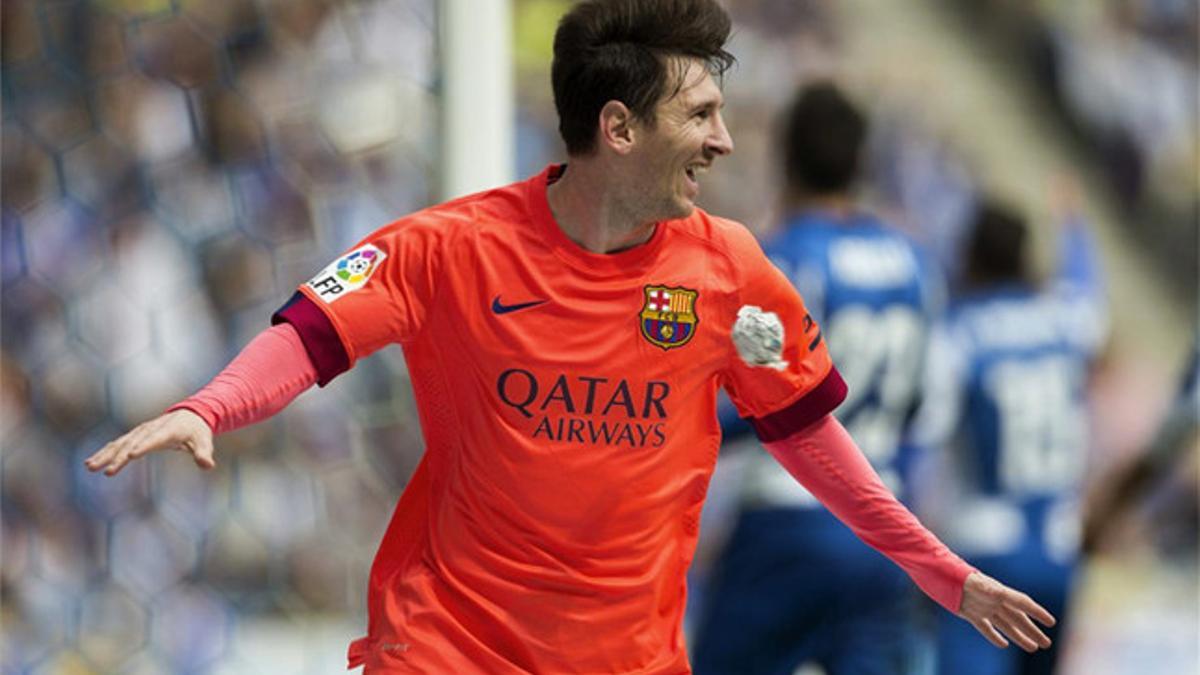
693,172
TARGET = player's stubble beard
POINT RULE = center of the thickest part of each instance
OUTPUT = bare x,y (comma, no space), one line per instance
665,199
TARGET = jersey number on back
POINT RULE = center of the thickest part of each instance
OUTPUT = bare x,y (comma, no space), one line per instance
1041,424
879,353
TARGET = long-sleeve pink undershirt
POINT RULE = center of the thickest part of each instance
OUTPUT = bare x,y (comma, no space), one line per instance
275,368
262,380
824,458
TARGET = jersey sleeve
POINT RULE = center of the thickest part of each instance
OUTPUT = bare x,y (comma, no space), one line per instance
379,292
798,385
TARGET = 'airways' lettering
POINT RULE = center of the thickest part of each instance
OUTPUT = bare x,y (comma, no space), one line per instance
606,432
582,394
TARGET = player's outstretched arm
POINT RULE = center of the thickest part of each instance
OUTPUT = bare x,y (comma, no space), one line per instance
264,378
997,611
825,459
178,429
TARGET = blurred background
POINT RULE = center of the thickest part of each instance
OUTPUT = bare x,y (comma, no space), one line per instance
172,169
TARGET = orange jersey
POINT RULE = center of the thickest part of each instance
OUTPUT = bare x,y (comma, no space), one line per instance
568,402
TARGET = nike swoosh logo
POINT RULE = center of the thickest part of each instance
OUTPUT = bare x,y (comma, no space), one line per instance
499,308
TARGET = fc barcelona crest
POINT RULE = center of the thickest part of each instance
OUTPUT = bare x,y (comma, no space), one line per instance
668,318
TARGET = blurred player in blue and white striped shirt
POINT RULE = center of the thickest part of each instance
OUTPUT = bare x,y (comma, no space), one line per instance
1006,407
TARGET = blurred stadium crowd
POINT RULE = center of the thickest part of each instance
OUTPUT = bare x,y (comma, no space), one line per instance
1086,57
173,168
170,170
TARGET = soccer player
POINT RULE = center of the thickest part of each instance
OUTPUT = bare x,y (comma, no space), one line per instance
1007,400
794,584
566,336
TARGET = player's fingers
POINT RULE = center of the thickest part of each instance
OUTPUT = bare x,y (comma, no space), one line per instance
1015,634
1021,621
140,441
111,454
100,458
1026,605
117,463
105,455
989,631
133,445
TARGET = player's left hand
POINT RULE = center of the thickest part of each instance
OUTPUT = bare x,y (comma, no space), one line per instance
997,611
180,429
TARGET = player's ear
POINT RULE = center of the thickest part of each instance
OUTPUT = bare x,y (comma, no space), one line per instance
617,127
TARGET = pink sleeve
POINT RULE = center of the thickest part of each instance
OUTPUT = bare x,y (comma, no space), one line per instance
266,376
825,459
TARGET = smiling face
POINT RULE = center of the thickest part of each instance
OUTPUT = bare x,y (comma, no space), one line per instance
687,135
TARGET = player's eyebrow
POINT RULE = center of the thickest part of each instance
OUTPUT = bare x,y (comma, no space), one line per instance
710,104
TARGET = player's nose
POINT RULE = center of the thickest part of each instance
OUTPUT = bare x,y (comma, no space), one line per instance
719,141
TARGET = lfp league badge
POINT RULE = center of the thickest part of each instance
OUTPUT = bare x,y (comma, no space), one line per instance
668,317
348,273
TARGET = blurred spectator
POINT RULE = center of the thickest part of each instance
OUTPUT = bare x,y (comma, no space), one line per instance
1124,75
167,169
1160,482
923,180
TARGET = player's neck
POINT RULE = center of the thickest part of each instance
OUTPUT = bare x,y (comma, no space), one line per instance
588,208
836,205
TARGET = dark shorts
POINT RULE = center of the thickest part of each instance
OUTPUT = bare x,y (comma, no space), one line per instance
796,586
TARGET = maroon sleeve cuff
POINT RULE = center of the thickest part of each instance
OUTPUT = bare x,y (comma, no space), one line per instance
320,338
814,405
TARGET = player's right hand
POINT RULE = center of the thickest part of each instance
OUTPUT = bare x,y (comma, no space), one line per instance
179,429
997,611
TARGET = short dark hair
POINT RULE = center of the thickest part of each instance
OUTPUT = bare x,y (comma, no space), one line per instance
618,50
823,138
996,245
